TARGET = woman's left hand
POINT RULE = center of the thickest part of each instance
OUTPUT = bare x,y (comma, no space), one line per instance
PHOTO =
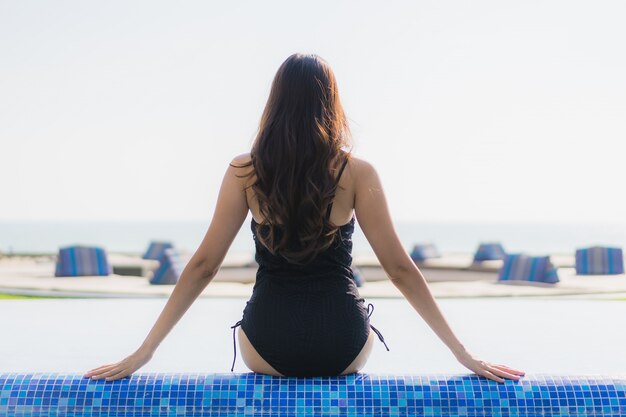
489,370
122,368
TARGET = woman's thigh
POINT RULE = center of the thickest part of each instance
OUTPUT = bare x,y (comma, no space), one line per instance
361,358
251,357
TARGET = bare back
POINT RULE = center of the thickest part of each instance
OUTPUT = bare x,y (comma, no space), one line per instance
360,192
343,203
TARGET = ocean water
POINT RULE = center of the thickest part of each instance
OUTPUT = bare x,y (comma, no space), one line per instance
134,236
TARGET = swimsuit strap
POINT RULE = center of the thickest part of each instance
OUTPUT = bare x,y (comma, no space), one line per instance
330,206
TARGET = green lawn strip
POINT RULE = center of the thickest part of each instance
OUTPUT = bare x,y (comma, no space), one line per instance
26,297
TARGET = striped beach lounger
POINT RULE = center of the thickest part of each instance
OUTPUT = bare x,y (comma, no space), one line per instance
74,261
489,252
169,270
358,277
156,249
598,260
520,267
424,251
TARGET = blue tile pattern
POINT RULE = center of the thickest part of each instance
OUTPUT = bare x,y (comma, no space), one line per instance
157,394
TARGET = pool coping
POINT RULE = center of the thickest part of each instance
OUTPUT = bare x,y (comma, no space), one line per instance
40,394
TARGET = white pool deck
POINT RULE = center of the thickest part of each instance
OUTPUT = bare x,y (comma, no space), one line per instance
451,276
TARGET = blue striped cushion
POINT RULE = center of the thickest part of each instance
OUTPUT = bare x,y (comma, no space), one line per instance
156,249
598,260
424,251
358,278
522,267
169,270
489,252
74,261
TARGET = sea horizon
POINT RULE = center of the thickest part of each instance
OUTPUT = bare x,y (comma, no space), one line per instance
129,236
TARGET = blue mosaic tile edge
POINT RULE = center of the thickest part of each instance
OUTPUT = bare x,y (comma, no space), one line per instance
171,394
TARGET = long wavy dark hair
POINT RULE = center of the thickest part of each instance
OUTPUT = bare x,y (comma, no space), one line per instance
296,156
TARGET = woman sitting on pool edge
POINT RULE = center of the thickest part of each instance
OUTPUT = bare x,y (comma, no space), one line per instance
305,316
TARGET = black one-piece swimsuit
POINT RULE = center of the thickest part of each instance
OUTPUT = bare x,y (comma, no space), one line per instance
307,320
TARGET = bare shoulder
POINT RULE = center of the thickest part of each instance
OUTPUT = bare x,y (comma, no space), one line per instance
241,169
361,169
241,159
242,164
359,164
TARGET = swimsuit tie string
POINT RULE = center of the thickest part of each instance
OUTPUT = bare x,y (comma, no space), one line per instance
234,344
378,333
380,336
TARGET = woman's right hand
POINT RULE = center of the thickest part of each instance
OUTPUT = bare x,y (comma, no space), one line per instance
487,369
121,369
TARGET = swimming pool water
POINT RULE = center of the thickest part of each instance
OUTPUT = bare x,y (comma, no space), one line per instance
536,336
571,351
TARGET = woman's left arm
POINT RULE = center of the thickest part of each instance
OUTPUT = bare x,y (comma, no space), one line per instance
230,213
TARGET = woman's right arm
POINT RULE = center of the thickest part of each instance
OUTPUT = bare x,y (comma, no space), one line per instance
373,216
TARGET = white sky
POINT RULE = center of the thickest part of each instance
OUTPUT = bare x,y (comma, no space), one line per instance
471,111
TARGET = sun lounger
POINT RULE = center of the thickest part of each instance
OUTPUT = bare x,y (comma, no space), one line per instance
358,277
169,270
424,251
489,252
156,249
598,260
73,261
520,267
